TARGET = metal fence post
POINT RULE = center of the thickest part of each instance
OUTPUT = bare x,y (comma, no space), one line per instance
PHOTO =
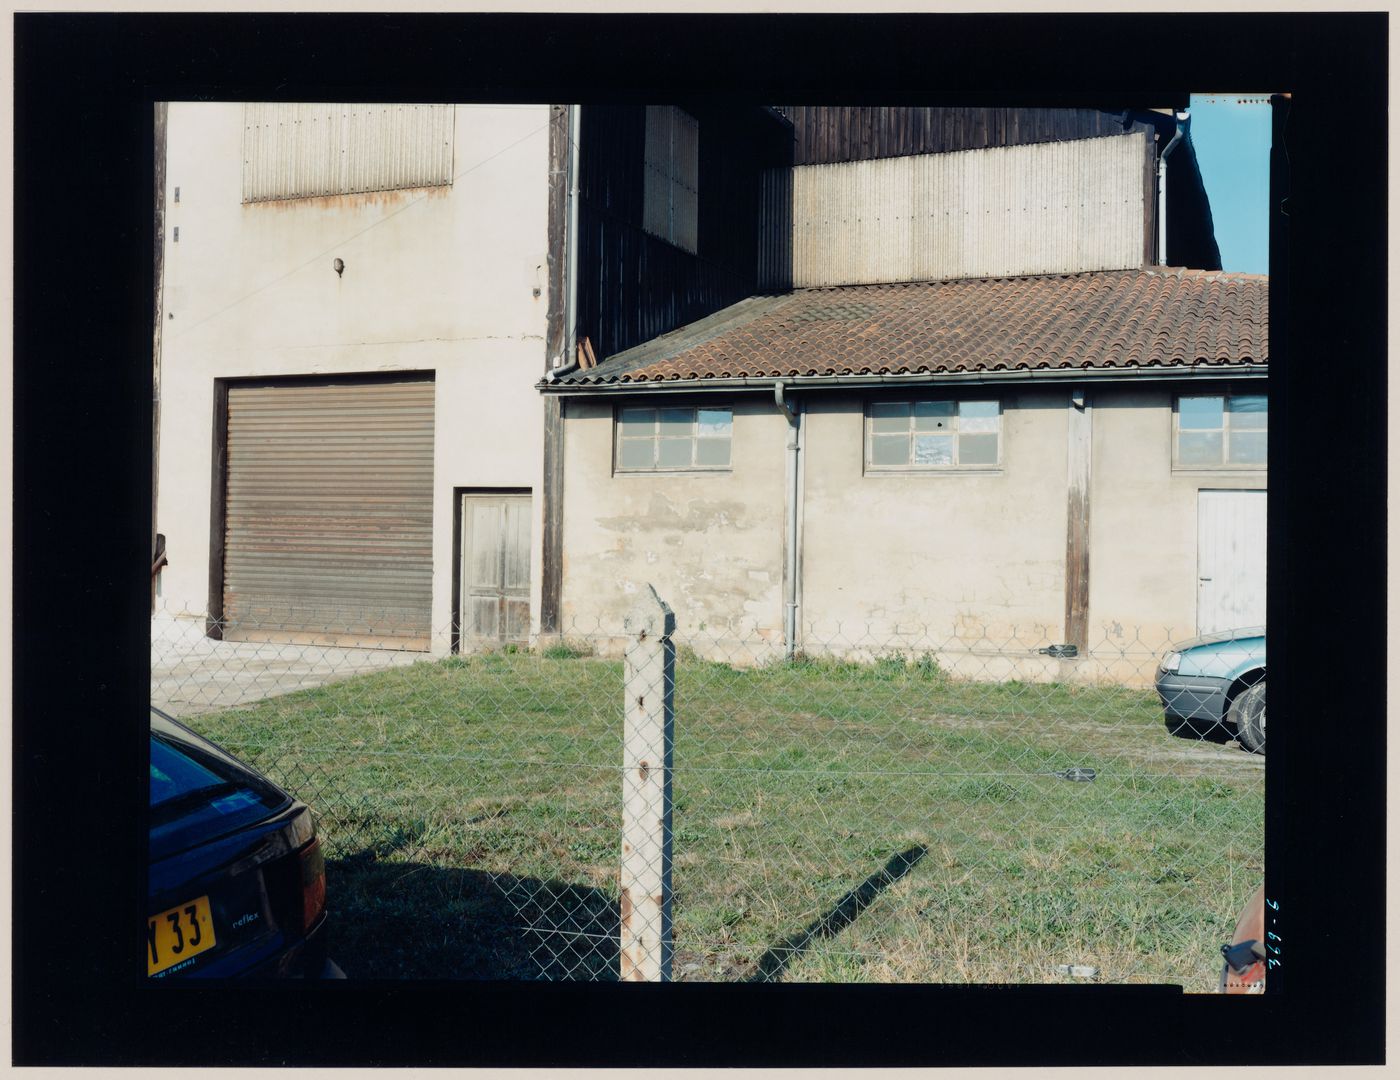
649,716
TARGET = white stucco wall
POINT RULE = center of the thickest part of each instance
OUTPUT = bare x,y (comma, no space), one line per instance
972,556
711,543
974,562
435,279
1143,523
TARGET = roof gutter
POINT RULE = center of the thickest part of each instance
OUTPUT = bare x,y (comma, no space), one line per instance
1182,119
766,384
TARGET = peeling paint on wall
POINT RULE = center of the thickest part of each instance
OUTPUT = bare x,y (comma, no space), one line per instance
976,561
712,544
694,515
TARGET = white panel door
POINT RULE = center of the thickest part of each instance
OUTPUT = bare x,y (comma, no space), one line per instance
1230,563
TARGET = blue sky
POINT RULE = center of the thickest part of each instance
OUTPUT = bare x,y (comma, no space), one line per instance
1232,133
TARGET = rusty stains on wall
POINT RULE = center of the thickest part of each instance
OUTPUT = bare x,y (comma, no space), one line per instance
293,150
354,201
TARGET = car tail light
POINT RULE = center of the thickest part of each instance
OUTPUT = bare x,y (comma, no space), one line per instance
313,883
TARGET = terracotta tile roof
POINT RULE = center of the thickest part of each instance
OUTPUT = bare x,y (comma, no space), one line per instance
1159,317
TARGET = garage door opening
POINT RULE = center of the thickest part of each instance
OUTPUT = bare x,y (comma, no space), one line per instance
324,511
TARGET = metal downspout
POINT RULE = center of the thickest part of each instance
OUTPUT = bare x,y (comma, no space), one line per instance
794,492
1182,119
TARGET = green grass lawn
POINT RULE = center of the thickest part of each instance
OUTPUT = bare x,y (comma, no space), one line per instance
832,822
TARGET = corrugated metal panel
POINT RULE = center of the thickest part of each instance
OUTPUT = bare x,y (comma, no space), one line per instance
656,200
299,150
641,286
672,176
329,513
775,230
1049,208
685,180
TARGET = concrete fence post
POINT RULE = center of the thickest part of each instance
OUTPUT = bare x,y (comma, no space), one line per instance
649,664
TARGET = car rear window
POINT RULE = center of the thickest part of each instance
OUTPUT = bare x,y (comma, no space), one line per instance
174,773
198,795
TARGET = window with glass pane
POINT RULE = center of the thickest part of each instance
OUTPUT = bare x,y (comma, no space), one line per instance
933,434
651,439
1215,431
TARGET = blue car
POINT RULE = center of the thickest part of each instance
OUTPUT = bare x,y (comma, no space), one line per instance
1214,685
236,882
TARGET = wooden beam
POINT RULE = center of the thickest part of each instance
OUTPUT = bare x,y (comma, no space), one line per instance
158,265
1081,446
218,507
556,257
552,510
556,348
1149,199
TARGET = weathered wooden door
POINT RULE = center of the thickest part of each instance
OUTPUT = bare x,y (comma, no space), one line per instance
495,571
1231,560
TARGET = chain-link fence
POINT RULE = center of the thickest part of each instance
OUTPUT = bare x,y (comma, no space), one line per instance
907,805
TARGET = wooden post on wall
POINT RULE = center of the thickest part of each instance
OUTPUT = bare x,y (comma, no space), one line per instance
1081,447
218,511
644,898
159,268
557,346
1149,200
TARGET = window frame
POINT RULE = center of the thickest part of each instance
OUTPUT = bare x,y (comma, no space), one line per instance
870,468
695,408
1226,466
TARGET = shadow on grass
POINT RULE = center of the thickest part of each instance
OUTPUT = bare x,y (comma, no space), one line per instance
405,920
775,961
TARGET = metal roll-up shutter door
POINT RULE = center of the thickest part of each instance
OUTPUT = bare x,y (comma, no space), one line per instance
328,513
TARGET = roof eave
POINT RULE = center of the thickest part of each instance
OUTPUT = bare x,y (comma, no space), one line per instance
1156,373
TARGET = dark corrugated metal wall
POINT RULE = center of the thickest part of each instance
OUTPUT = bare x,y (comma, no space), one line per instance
634,286
328,518
827,133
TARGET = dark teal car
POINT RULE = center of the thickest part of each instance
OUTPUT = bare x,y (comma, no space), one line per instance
1214,685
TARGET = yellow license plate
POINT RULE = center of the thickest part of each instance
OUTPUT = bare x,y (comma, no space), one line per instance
174,936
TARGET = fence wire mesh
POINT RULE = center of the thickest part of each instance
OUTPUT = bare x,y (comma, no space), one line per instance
884,805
